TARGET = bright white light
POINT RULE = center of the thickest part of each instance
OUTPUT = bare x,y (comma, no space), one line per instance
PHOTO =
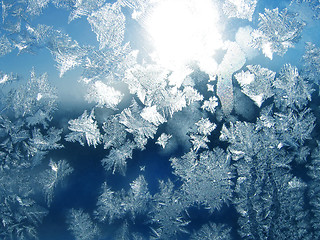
185,31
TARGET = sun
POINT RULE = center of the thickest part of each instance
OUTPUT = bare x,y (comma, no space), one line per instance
184,31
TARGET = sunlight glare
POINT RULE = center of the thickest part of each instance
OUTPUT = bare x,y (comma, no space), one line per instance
183,32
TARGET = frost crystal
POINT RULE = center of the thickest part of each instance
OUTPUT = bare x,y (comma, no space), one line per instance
233,60
163,140
108,23
314,191
192,95
84,129
205,127
167,212
291,89
20,214
6,78
108,64
23,221
138,197
23,142
13,138
68,54
114,132
257,149
173,100
291,210
68,4
204,173
212,231
311,66
210,105
104,95
39,144
82,226
5,46
210,88
136,125
200,138
36,100
82,8
277,32
256,83
314,4
139,6
240,8
150,85
108,205
151,115
123,233
199,141
35,6
46,142
294,128
146,82
242,136
53,176
116,205
116,161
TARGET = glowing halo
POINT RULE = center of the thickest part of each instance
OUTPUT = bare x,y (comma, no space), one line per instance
184,31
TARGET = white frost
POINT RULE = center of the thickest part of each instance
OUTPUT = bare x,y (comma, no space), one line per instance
104,95
151,115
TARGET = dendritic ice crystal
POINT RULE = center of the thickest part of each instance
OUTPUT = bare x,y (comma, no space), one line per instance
242,9
159,119
278,31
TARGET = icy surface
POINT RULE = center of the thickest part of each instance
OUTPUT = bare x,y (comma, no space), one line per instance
149,119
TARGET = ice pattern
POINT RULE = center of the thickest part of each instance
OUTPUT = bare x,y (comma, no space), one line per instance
224,145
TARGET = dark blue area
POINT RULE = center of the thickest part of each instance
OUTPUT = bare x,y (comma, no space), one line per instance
81,189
